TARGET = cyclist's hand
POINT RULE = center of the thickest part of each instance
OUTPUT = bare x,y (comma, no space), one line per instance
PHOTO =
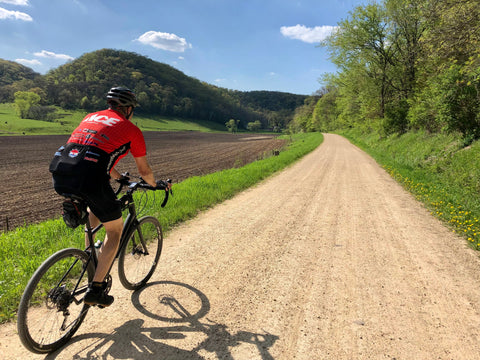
163,185
124,179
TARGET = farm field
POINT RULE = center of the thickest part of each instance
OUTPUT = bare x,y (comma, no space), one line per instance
28,196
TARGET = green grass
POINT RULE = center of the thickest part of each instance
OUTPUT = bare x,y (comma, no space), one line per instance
12,124
23,250
438,169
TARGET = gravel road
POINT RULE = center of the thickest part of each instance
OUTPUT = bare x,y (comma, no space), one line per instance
329,259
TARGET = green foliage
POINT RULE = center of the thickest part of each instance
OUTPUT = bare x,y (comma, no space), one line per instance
23,250
406,65
46,113
11,72
453,31
303,120
325,113
232,125
24,100
449,101
254,126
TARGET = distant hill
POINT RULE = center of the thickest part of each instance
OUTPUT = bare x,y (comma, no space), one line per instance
271,100
11,72
161,89
14,77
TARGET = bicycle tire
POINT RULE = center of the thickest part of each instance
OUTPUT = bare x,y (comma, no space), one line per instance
135,265
48,301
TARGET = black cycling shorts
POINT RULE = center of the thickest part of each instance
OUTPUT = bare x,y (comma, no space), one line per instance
97,193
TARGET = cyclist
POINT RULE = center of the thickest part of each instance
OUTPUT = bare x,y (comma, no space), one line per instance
85,165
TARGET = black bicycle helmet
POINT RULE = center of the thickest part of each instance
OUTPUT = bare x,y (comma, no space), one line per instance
122,96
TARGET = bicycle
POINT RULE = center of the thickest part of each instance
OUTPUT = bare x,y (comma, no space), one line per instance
52,309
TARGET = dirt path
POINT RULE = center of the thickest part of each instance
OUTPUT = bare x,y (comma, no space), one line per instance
330,259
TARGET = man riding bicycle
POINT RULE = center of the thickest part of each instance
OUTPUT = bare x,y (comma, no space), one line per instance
85,165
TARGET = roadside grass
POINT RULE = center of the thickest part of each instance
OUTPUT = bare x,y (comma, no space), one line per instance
438,169
24,249
12,124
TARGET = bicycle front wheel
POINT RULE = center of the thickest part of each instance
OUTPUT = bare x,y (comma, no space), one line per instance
51,308
139,257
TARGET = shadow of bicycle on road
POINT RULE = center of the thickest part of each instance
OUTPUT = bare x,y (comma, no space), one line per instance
182,306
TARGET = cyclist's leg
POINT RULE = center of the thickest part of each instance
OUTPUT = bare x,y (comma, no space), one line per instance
109,248
97,293
104,205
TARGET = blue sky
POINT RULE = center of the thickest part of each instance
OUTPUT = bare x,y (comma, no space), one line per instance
236,44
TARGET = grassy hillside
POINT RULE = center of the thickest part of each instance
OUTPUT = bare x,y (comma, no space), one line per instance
12,124
438,169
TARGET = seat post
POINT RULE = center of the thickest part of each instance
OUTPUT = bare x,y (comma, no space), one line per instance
89,233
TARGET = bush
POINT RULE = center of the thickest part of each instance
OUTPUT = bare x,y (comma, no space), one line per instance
396,117
37,112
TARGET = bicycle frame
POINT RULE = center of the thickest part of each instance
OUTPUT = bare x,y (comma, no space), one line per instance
130,223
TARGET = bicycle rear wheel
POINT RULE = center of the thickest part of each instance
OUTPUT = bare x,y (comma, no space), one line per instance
139,257
51,308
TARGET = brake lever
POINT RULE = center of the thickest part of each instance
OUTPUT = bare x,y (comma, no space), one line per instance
167,192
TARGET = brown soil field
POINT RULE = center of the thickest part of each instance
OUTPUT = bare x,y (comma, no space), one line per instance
28,196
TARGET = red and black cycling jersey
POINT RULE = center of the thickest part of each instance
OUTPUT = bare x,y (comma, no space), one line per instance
109,131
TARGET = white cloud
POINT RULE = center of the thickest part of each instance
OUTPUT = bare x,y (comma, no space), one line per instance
218,81
164,41
27,62
307,34
17,15
52,55
16,2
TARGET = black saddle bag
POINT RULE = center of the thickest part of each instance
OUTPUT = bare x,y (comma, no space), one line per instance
74,213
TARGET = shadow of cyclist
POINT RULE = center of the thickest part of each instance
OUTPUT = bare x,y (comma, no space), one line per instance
218,339
133,341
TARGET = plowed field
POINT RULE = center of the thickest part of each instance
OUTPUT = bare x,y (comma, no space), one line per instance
28,195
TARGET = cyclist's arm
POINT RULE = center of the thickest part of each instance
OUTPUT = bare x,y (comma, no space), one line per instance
145,171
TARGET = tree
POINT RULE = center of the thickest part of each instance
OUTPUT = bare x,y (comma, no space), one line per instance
24,100
454,29
232,125
405,64
302,120
254,126
325,113
448,94
377,50
362,47
408,28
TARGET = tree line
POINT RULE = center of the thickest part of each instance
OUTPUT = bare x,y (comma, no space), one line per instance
160,88
402,65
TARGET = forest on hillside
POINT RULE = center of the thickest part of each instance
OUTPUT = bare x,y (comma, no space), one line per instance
160,88
402,65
